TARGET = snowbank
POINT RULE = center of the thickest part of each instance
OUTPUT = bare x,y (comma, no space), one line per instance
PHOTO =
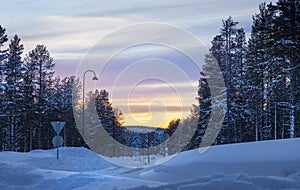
278,158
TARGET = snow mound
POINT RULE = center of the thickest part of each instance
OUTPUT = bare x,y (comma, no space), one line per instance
279,158
70,159
77,159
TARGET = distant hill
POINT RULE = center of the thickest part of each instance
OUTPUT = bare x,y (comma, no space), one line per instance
144,129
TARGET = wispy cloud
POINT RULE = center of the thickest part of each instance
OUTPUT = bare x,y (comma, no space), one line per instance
80,23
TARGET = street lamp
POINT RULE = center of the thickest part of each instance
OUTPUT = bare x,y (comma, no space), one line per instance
83,86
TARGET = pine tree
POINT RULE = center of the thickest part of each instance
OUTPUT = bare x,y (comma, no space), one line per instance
13,72
52,109
106,113
43,66
287,49
61,108
272,64
258,73
71,133
29,104
228,49
228,31
202,112
3,117
3,53
215,100
239,105
108,118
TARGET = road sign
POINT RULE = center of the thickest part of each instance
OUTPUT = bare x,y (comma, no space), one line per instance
57,141
58,126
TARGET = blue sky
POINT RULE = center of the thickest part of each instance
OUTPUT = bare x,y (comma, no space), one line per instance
70,28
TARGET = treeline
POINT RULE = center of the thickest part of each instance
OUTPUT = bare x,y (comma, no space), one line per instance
31,97
262,90
261,75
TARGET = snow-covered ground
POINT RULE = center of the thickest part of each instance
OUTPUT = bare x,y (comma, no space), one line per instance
261,165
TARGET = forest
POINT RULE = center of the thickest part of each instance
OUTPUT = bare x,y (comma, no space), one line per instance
261,73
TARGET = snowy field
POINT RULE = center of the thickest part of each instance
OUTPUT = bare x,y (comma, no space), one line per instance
248,166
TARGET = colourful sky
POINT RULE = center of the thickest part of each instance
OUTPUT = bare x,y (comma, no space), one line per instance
70,28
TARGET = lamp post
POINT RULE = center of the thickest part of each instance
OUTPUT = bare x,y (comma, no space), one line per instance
83,86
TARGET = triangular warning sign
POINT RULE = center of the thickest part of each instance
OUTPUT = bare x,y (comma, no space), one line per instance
58,126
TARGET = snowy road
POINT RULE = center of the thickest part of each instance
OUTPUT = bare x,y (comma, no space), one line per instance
262,165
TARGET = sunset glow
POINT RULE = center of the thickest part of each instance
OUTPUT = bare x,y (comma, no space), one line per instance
153,107
70,29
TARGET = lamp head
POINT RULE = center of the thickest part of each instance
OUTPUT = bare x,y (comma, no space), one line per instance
95,78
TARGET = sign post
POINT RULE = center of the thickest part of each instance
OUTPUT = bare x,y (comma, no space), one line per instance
57,140
166,136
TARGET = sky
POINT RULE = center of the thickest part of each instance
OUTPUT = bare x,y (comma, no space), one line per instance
71,29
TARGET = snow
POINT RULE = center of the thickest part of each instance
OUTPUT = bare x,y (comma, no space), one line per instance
249,166
2,87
